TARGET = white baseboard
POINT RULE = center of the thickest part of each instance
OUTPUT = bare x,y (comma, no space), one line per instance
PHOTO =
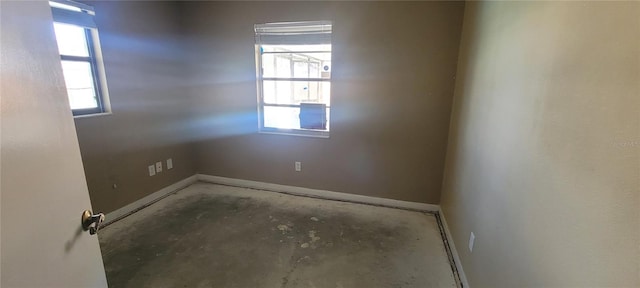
454,251
149,199
323,194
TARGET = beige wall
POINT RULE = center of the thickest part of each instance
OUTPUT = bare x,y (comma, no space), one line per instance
392,88
543,161
142,50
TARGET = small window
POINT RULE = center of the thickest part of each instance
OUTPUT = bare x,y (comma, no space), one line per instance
293,62
77,38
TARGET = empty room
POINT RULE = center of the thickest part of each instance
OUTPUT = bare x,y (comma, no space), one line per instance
319,144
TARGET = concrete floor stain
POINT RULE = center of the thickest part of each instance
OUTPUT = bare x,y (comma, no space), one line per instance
216,236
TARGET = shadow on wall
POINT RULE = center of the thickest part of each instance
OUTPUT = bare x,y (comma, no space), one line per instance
142,49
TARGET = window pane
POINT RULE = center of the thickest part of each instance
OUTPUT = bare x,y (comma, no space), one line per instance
325,93
300,69
282,66
80,86
314,70
296,92
269,92
269,64
282,117
303,64
314,92
285,117
300,91
325,69
71,40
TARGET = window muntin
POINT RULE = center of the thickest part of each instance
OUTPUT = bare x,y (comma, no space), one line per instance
78,77
293,68
296,92
76,36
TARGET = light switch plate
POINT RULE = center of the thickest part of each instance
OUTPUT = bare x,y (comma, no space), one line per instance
158,167
152,170
169,163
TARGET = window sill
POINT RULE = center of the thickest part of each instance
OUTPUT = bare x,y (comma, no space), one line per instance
92,115
298,133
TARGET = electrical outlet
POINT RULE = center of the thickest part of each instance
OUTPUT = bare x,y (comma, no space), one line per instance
158,167
169,163
152,170
472,240
298,166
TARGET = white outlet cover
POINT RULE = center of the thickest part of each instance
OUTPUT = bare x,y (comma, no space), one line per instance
169,163
472,240
158,167
152,170
298,166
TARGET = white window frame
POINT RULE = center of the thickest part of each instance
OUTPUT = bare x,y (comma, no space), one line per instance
290,33
82,15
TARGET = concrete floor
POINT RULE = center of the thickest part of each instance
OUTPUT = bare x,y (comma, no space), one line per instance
218,236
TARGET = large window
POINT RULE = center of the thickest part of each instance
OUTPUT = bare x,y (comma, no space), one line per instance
77,39
294,77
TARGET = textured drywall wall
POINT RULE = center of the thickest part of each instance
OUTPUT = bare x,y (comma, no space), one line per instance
142,51
543,162
392,87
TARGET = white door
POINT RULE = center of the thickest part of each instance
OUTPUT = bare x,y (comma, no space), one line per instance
43,188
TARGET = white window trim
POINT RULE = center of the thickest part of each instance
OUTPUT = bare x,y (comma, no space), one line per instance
260,92
96,50
102,74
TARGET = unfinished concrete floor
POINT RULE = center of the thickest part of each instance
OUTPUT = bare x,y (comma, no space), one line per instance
209,235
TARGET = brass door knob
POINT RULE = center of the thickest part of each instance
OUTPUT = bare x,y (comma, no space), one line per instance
91,221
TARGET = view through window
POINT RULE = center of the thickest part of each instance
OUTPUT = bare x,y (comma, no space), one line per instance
74,29
294,74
